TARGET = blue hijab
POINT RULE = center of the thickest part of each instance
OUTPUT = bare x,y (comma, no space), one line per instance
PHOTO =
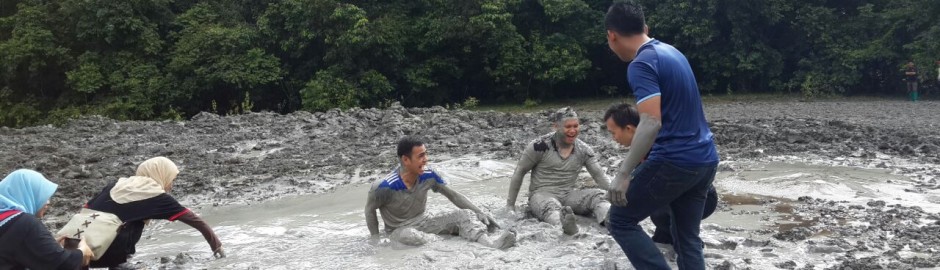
25,190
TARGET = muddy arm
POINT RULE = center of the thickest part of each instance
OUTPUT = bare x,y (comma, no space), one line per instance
600,177
196,222
525,165
458,199
462,202
642,142
372,220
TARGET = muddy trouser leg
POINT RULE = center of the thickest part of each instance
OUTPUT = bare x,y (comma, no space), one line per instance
461,222
545,207
408,233
589,201
465,223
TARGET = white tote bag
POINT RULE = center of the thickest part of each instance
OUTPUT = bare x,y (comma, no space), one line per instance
98,228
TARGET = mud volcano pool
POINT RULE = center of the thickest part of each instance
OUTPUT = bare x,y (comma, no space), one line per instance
804,185
765,213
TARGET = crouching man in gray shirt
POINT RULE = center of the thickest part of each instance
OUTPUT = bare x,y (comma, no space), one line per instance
555,161
402,196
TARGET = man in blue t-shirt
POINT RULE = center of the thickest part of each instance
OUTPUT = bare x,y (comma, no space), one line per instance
674,136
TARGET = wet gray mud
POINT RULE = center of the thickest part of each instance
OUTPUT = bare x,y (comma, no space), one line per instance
816,185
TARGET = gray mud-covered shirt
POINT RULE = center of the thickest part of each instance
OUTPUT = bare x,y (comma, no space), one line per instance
397,204
553,174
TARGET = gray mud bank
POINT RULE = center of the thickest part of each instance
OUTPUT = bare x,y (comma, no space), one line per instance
817,185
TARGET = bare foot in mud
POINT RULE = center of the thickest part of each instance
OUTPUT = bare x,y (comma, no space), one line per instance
506,240
568,221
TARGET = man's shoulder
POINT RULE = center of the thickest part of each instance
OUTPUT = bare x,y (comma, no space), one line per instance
430,173
585,148
391,181
650,51
540,144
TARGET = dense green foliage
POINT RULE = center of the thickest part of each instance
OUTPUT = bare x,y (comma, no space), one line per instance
153,59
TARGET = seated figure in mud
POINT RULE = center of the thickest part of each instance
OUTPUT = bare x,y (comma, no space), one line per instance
401,198
622,120
555,160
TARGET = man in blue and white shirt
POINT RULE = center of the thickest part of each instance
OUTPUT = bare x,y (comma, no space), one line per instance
402,197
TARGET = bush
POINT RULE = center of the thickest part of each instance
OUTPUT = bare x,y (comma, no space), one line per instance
19,115
529,103
172,114
62,115
326,91
470,103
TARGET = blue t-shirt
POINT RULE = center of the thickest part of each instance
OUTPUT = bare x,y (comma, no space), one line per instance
684,139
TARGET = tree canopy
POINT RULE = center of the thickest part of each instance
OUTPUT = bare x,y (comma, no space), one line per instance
157,59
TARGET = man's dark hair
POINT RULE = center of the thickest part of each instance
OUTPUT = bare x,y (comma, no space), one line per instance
625,18
623,115
406,144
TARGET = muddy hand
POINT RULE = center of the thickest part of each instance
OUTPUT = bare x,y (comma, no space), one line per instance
219,253
487,220
617,194
375,239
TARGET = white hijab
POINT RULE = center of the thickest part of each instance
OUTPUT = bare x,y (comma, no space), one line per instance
154,177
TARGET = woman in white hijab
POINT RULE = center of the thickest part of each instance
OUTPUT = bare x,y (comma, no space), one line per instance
140,198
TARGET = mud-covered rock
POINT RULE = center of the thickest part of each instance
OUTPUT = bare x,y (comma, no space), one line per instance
795,234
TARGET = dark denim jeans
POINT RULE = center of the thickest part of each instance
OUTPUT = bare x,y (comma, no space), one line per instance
662,218
655,185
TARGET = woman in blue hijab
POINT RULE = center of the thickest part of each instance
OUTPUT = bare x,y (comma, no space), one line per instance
24,240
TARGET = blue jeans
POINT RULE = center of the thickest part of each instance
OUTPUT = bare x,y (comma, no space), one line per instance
662,218
655,185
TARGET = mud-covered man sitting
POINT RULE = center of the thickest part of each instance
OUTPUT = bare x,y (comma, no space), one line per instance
401,198
556,160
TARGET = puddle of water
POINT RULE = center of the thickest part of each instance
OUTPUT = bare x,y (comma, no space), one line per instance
839,183
735,199
327,231
764,194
